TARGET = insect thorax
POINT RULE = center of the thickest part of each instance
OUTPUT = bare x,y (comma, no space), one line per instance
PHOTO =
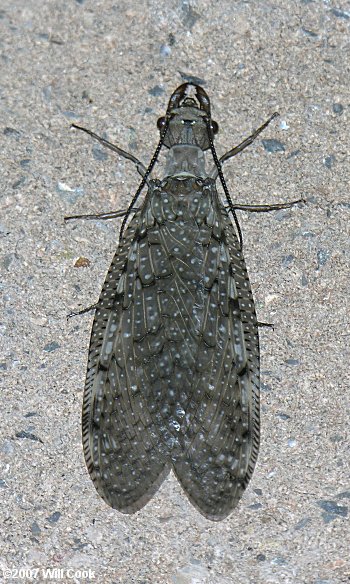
185,159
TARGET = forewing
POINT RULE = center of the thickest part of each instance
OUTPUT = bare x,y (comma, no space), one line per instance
223,419
119,438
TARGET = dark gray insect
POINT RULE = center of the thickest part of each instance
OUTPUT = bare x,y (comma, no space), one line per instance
173,370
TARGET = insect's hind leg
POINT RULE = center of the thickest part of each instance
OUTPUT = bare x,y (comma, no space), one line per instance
83,311
99,216
266,325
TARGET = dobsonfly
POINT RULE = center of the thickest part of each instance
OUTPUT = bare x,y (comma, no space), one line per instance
173,369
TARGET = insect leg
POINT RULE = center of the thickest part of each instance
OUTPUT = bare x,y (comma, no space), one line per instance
248,141
102,216
267,208
266,325
83,311
140,167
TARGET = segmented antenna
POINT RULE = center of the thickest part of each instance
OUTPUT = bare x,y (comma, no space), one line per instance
222,179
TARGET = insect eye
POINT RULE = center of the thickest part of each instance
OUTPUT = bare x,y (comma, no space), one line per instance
214,127
161,123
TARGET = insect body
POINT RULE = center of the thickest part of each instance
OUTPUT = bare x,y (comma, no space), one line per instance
173,369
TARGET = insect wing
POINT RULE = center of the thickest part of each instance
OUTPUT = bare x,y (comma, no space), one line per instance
224,427
119,440
173,368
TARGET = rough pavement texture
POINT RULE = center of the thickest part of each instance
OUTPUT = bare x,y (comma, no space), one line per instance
111,67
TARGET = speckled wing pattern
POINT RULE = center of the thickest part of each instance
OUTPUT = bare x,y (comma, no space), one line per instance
173,371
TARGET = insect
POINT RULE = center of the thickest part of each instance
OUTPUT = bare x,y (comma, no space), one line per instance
173,370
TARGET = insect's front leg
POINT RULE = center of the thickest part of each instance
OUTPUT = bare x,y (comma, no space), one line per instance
140,167
248,141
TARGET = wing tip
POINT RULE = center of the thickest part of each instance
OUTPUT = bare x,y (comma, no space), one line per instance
117,500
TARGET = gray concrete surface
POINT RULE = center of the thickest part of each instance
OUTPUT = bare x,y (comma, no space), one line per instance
111,66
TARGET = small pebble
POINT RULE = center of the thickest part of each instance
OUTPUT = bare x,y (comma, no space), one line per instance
272,145
54,517
50,347
338,108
